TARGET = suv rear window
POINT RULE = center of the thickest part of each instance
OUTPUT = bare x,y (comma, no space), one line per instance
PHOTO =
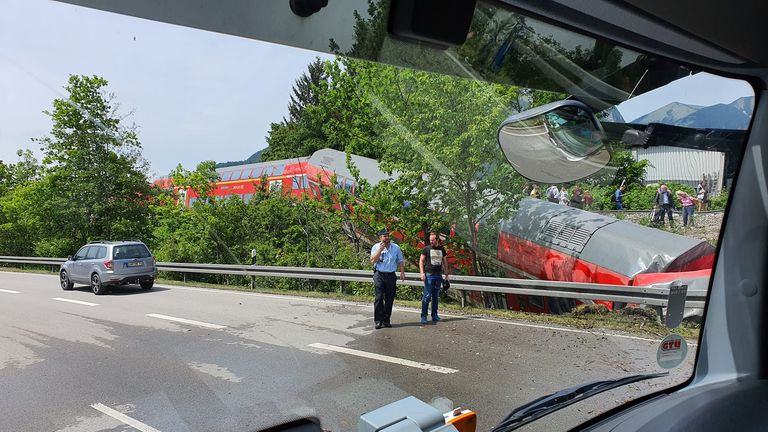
131,251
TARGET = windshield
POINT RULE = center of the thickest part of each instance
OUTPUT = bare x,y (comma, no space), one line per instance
335,225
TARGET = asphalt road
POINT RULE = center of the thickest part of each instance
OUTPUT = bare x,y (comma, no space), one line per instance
246,361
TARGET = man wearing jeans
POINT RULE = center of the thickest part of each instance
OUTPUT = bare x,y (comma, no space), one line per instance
386,258
432,266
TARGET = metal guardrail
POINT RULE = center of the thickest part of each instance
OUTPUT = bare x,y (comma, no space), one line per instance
654,295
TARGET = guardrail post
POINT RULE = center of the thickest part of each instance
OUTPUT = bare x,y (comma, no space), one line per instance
253,262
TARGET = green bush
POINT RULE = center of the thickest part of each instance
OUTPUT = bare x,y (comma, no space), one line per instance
55,247
719,201
642,198
601,197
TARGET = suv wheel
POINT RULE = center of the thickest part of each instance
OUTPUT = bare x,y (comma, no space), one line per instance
147,284
96,285
66,284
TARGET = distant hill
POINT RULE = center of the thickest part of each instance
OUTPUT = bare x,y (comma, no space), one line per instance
668,114
254,158
735,115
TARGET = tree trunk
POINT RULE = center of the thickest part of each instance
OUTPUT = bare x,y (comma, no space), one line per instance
473,235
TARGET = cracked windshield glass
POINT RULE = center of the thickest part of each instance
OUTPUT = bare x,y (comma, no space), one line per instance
230,220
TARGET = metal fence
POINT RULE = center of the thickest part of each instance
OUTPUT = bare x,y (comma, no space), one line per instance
654,295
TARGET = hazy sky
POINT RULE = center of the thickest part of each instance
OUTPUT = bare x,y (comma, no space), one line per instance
701,89
196,95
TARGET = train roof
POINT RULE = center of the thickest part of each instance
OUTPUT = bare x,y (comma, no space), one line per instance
329,160
261,164
336,161
617,245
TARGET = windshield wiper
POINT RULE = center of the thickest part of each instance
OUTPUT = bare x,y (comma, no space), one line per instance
548,404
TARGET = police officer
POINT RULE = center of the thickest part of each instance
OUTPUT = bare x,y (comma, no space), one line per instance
386,258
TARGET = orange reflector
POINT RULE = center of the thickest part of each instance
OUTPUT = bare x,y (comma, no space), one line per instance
463,420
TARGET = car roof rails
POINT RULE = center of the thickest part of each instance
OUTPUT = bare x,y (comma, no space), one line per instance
99,241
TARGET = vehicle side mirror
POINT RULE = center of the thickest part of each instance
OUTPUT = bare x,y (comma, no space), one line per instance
70,258
559,142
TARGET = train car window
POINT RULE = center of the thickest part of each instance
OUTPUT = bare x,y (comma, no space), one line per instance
275,185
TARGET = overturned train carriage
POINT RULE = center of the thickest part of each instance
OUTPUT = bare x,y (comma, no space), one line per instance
554,242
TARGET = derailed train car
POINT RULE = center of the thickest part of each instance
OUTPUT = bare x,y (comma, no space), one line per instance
548,241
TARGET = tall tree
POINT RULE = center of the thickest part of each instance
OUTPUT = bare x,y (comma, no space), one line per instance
94,168
307,90
437,134
15,174
302,132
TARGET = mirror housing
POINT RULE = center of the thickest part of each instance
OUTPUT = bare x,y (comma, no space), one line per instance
559,142
70,258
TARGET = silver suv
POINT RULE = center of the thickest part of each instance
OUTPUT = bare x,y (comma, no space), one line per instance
102,264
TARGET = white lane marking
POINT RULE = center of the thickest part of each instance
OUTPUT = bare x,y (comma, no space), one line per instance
400,309
10,291
117,415
384,358
414,311
84,303
187,321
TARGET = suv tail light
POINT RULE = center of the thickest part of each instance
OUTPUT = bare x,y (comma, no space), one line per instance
108,264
